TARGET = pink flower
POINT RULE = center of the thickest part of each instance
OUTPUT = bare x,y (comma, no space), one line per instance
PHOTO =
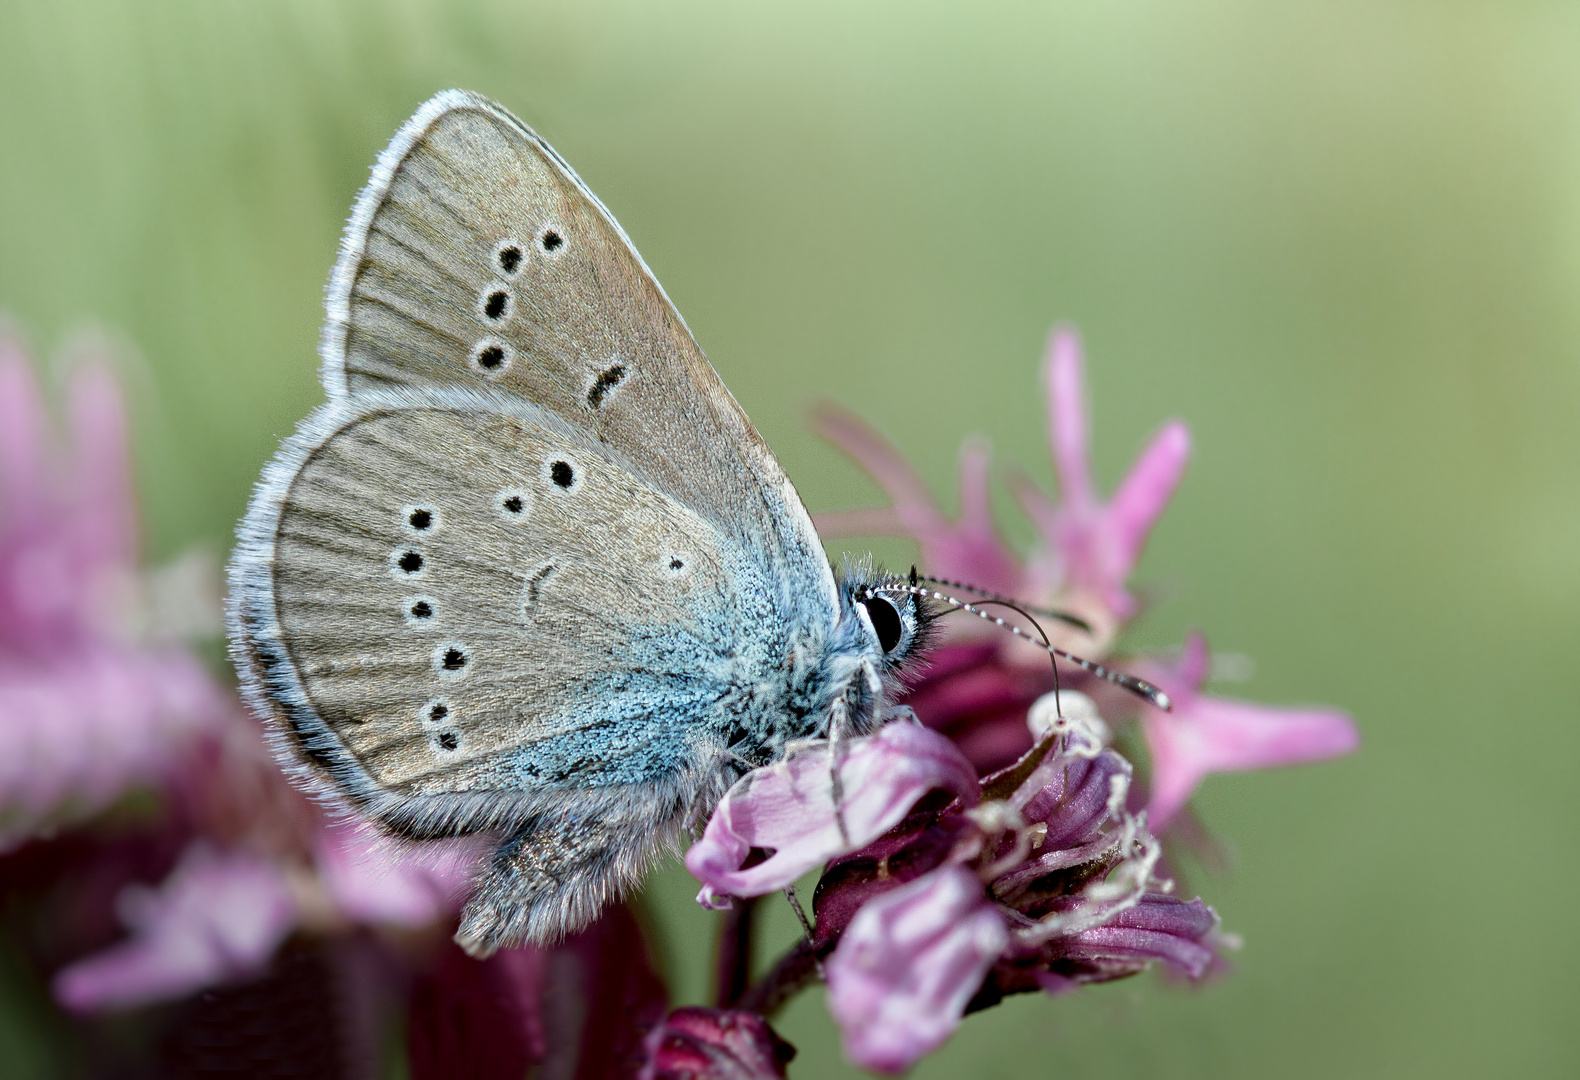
1202,734
977,686
715,1044
216,917
907,965
788,808
88,706
1023,881
1087,548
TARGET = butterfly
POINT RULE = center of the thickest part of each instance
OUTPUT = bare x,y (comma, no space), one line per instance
530,571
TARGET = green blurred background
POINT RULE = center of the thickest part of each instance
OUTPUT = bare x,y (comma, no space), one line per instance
1342,240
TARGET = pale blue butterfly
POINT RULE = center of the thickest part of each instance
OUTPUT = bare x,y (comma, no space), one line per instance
531,571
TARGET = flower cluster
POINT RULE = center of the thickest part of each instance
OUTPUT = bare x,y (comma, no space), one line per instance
980,685
99,700
941,892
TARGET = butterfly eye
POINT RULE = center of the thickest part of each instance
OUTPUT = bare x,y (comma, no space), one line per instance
885,622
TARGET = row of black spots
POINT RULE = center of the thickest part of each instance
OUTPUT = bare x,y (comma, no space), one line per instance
435,717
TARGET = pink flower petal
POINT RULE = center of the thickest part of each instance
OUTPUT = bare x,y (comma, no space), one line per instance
1144,494
215,918
1203,735
105,526
24,427
1221,735
379,879
1062,372
789,808
969,548
903,972
82,733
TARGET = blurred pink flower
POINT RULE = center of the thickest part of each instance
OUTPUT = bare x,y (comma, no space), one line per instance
94,700
379,880
215,918
1087,548
88,706
1202,734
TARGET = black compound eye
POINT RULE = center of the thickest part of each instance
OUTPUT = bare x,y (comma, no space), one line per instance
885,621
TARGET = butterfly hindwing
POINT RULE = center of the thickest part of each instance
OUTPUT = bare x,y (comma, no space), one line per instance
472,597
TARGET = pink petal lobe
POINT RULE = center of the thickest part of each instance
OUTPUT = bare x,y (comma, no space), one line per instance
912,501
378,879
788,808
24,427
911,959
1062,370
1222,735
215,918
84,733
1203,735
96,415
1145,493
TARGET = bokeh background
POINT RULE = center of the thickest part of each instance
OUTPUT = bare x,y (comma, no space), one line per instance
1341,239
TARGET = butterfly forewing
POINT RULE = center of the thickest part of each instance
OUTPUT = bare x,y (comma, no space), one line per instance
485,262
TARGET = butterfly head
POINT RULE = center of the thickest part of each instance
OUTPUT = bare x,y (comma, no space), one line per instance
884,622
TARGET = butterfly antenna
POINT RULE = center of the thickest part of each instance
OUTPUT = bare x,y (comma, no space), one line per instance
987,595
1140,687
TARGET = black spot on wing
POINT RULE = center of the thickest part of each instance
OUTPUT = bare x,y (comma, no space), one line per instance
605,383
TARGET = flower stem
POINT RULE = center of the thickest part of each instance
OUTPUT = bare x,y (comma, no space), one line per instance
733,964
796,969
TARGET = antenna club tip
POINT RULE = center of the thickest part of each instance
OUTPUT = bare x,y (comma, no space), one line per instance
1162,700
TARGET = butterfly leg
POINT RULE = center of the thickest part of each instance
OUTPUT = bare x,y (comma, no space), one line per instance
838,742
